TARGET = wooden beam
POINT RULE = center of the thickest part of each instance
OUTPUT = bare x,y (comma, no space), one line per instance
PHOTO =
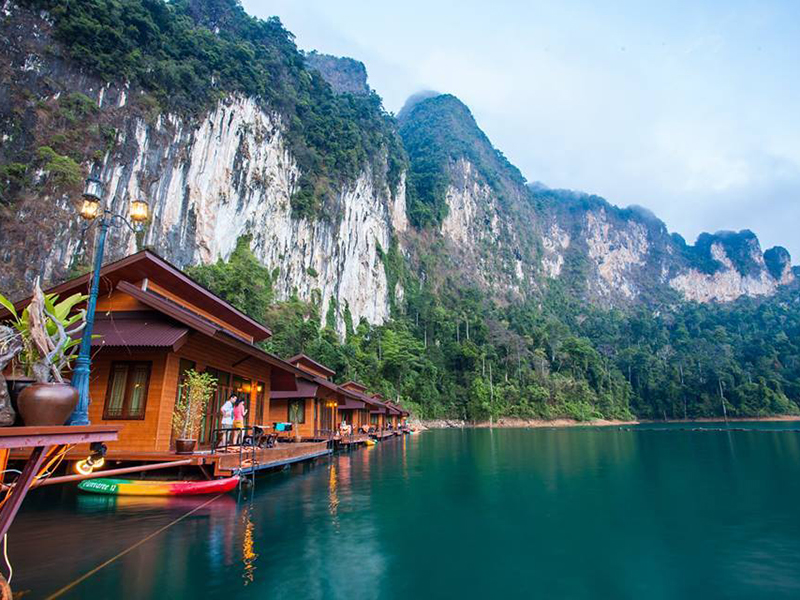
10,508
110,472
240,361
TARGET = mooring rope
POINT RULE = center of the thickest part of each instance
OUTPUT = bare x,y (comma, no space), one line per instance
85,576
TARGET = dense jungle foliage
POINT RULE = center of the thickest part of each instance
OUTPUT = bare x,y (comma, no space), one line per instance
453,353
187,54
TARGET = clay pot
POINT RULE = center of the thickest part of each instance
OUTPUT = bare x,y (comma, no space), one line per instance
15,387
42,404
185,446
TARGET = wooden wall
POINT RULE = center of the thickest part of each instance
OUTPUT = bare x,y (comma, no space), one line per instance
136,435
154,287
154,432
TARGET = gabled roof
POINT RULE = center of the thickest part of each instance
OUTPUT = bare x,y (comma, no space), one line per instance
139,329
305,389
149,266
352,385
304,359
211,329
395,409
356,390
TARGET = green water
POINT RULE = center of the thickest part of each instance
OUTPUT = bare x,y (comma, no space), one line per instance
571,513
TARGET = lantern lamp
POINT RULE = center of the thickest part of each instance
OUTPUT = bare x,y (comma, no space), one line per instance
140,212
92,191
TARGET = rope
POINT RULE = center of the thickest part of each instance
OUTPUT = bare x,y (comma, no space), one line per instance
8,562
84,577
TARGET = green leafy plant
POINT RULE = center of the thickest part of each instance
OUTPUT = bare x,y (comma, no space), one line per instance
195,393
63,170
48,330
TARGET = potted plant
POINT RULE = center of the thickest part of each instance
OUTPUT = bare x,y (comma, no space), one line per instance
195,392
48,331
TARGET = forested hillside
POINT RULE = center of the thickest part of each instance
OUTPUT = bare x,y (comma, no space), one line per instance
456,353
187,54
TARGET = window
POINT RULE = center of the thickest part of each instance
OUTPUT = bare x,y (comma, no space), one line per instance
373,418
297,411
126,394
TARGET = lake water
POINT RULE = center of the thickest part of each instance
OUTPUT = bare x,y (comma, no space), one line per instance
650,512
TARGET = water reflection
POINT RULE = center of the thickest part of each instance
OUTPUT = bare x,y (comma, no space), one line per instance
579,514
333,496
249,555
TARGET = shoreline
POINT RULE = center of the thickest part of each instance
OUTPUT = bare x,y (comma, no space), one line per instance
519,423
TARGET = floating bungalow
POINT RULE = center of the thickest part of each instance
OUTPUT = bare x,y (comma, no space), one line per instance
153,323
313,407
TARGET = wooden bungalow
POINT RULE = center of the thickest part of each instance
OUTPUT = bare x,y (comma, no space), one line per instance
313,407
398,417
357,410
377,414
153,323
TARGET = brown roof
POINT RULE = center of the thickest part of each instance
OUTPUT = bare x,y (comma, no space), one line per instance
394,408
146,265
351,404
138,329
282,379
354,386
305,389
305,359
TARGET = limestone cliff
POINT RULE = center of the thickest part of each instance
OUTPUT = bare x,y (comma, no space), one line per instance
208,179
229,169
516,237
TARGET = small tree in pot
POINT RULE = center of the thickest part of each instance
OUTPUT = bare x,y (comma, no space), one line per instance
195,393
49,334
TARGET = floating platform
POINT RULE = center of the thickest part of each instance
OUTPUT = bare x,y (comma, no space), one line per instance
212,463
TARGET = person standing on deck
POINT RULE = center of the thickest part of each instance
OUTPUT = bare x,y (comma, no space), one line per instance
239,412
227,415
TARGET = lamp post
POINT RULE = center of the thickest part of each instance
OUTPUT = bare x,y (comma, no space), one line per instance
92,210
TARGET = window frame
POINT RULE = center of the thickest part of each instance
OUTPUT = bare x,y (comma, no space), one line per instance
302,403
126,399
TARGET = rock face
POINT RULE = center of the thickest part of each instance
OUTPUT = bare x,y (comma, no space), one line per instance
208,181
345,75
515,237
214,177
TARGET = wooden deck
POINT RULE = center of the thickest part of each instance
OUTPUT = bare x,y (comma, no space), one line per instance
268,458
356,438
220,463
380,435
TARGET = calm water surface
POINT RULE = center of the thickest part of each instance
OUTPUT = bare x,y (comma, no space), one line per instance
653,512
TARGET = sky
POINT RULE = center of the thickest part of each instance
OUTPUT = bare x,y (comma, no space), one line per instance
691,109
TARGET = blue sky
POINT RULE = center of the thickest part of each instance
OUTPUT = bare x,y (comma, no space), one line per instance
691,109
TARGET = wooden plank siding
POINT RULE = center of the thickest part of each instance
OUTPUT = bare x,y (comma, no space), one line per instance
118,301
154,432
137,435
207,353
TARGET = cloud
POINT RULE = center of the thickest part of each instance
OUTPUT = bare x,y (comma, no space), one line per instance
687,109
